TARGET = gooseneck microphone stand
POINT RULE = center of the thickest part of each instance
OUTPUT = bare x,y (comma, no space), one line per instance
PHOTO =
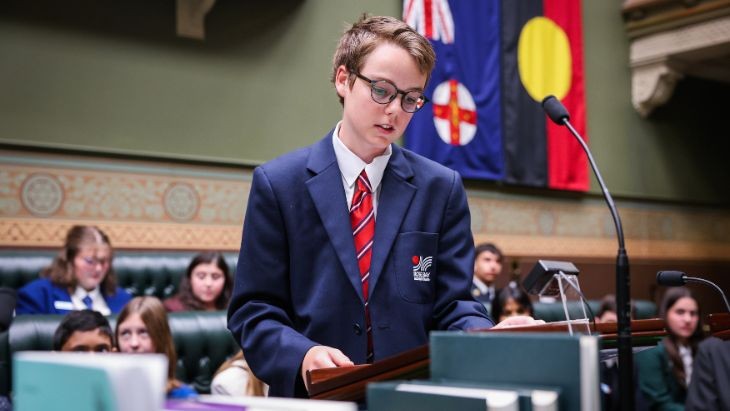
559,115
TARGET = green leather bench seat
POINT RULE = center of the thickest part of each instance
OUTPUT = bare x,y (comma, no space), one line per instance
140,273
202,342
551,312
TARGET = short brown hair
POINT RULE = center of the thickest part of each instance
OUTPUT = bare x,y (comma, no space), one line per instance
61,270
370,31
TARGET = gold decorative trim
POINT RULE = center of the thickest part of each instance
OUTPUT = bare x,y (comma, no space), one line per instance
154,206
50,233
521,246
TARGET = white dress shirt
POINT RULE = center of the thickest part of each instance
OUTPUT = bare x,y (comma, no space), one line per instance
351,166
97,300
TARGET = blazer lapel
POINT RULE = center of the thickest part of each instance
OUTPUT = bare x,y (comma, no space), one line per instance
328,195
396,194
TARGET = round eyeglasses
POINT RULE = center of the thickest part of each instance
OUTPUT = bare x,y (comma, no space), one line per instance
384,91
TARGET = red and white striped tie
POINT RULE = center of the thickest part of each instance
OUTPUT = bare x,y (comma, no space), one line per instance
362,218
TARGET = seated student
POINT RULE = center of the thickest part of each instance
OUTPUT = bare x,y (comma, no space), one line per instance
142,327
487,267
607,312
206,285
665,371
511,301
79,278
84,331
235,378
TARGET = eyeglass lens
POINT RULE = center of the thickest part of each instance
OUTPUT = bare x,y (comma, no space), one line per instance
384,92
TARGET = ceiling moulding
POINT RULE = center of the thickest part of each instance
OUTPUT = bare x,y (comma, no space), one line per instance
670,39
191,18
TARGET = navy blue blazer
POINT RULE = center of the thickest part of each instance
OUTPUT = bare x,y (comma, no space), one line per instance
298,283
43,297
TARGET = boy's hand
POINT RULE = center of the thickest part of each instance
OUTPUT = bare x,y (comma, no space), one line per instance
518,320
322,356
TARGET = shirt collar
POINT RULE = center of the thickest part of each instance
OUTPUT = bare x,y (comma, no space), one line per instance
351,165
480,285
80,293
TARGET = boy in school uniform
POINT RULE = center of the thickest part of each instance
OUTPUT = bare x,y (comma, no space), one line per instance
354,248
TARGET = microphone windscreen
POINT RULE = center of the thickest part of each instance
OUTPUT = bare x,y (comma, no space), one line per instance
555,110
671,278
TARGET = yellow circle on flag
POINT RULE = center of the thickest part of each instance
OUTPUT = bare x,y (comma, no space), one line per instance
544,60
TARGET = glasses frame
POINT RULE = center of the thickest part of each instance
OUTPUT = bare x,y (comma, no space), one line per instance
397,91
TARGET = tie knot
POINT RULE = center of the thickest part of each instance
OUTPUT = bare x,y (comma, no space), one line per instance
88,302
363,183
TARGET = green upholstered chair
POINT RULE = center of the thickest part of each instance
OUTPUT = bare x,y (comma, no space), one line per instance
202,342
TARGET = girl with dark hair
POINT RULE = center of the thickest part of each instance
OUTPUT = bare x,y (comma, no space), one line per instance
665,370
142,328
206,285
511,301
79,278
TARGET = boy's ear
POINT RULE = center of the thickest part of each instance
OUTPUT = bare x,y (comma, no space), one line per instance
342,83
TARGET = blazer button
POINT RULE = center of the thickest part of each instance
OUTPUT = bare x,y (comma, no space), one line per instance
357,329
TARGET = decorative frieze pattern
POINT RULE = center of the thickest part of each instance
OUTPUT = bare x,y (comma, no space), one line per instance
187,207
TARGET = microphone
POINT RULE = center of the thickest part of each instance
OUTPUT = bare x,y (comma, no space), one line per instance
678,278
559,115
671,278
555,110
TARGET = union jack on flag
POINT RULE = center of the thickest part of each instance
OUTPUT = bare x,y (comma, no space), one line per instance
430,18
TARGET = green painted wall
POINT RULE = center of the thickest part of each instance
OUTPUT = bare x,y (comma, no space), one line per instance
112,76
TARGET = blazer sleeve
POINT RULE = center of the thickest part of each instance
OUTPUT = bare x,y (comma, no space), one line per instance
35,297
654,380
259,315
455,308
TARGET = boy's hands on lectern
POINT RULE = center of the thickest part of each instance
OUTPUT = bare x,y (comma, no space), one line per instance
518,320
322,356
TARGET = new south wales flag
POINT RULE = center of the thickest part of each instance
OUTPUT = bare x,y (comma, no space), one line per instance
496,61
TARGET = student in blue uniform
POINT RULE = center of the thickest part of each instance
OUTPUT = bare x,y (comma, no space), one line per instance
354,248
79,278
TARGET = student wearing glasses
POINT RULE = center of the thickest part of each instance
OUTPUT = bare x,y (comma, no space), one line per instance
79,278
354,248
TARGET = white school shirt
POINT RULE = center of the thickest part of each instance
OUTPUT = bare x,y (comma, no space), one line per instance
351,166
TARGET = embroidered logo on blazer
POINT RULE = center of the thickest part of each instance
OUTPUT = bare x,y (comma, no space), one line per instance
421,267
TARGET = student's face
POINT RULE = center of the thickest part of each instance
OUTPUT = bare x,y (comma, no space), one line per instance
682,318
207,281
133,336
512,308
607,317
88,341
368,127
487,267
91,265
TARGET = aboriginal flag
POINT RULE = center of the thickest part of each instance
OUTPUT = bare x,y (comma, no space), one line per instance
496,61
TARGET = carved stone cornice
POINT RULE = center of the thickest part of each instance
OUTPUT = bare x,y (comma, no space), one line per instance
670,40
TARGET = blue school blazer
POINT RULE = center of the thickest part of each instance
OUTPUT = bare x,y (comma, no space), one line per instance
298,283
41,296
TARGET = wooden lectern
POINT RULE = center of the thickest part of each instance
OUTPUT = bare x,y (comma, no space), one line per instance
349,383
